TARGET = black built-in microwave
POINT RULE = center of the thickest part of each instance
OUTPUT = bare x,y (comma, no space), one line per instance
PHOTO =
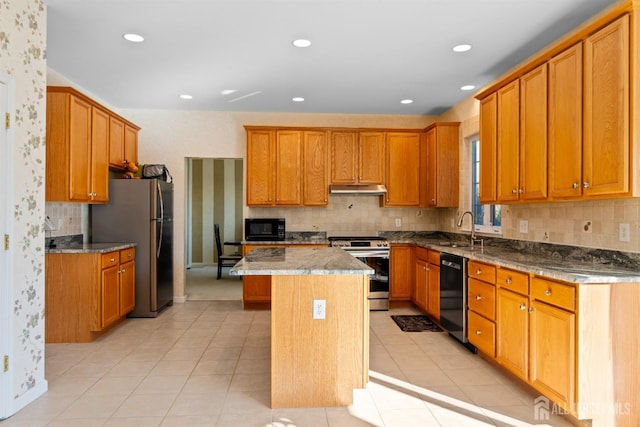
264,229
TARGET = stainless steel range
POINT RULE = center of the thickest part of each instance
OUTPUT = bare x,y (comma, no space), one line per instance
373,251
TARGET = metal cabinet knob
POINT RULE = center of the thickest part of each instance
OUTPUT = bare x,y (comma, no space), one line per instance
575,185
530,309
478,297
547,292
586,184
478,271
514,191
478,332
112,260
509,280
523,307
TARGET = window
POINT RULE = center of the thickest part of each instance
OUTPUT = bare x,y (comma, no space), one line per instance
488,217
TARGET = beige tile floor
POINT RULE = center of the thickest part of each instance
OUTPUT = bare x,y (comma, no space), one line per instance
206,363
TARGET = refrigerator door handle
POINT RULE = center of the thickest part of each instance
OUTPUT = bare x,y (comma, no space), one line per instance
161,218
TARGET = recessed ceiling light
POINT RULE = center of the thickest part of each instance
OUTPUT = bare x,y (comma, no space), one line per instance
186,96
301,43
228,91
135,38
467,87
298,99
406,101
462,48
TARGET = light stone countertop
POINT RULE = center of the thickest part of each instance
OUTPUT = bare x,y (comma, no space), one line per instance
299,261
88,248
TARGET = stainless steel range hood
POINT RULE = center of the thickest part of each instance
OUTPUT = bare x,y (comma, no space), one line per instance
368,189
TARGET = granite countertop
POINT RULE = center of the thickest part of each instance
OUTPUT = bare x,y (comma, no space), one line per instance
299,261
88,248
566,263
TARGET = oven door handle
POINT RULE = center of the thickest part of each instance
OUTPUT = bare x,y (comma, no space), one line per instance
369,254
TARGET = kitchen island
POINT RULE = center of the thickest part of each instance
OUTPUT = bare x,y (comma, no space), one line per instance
319,323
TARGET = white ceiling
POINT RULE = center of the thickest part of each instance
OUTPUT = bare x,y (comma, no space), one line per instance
366,55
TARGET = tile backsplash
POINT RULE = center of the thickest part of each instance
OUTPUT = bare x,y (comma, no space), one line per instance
68,218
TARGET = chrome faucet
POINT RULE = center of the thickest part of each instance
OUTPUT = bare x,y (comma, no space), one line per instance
473,227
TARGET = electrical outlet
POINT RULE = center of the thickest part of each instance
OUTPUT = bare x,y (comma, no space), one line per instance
398,222
545,236
319,308
587,226
625,233
524,226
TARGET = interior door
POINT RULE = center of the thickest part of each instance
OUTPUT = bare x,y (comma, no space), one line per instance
6,177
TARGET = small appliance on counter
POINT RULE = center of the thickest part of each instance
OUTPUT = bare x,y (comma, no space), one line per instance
264,229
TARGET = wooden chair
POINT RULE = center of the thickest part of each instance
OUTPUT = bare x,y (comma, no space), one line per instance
224,260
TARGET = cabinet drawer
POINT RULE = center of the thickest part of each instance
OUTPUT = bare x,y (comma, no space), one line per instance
127,255
482,298
482,333
554,293
423,254
481,271
110,259
434,257
514,280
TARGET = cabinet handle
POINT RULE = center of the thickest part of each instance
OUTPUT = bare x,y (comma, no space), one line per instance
575,185
530,309
508,281
520,191
523,307
433,201
514,191
586,184
478,332
478,297
113,260
478,271
547,292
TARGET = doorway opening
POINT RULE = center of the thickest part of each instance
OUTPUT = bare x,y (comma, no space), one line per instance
214,196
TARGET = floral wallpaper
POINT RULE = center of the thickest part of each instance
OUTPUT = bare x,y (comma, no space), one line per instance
22,59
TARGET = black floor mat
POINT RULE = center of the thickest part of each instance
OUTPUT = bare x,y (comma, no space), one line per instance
416,323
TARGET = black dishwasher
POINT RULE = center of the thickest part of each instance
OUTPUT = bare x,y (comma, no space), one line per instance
453,297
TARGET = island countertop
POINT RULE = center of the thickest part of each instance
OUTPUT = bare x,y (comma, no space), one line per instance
299,261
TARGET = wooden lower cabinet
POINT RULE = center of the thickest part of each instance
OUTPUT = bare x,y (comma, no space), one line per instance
433,292
257,289
86,293
512,324
401,272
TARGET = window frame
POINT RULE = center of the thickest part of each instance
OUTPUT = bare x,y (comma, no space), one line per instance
485,215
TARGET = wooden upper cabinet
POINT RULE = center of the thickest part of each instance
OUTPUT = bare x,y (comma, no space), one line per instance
130,144
315,158
371,151
403,169
99,155
116,142
508,163
606,162
441,142
77,148
344,157
565,124
260,167
357,157
288,156
488,148
533,135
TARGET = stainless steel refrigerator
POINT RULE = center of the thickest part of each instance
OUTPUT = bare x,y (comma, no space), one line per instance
141,211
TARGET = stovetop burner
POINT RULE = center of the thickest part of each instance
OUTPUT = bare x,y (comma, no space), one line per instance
359,242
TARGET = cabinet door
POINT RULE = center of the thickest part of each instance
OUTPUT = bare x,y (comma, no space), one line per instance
553,347
402,270
79,149
371,149
403,169
288,167
344,157
488,148
315,166
127,287
109,296
433,294
260,171
606,111
508,142
533,135
130,144
99,156
116,143
256,289
512,328
431,167
421,283
565,124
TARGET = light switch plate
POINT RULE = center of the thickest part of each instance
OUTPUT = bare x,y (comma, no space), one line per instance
524,226
625,233
319,308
